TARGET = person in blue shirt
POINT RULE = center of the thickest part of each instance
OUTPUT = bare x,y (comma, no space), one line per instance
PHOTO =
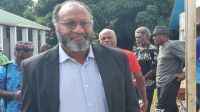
10,78
198,66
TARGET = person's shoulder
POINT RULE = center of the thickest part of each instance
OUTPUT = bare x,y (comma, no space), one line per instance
125,51
107,50
3,60
5,65
153,47
177,43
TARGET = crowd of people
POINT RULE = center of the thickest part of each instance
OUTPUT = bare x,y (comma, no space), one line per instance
79,75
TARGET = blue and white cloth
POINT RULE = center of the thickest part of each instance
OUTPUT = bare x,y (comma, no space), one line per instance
11,82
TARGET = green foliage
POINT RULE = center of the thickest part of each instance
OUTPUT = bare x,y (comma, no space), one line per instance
17,7
147,18
29,14
123,16
43,7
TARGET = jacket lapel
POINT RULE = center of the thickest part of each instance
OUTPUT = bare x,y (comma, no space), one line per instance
51,70
104,63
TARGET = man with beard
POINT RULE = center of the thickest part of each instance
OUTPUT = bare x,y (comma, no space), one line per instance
77,75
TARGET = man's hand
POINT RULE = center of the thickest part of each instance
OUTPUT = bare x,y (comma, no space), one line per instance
134,82
143,106
17,95
180,77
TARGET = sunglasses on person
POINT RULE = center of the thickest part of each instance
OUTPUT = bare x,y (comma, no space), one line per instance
23,47
72,24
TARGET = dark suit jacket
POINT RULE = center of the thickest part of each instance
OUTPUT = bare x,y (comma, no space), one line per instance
40,87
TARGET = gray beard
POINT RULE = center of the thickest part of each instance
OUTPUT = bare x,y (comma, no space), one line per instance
77,48
71,45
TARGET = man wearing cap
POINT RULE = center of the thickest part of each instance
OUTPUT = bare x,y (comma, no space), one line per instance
3,58
169,73
10,78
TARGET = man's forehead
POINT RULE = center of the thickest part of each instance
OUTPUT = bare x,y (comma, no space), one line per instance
107,34
138,34
73,4
73,8
24,44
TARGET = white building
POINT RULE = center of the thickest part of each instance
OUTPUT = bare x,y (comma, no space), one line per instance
182,21
14,28
198,11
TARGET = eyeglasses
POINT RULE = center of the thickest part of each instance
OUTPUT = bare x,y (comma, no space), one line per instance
72,24
22,47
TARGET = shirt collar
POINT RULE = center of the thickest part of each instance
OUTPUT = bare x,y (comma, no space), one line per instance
14,62
141,49
64,56
165,44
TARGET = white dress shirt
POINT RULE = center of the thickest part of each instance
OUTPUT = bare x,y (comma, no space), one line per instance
81,87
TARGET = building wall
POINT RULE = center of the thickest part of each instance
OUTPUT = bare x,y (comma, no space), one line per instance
6,44
198,14
198,11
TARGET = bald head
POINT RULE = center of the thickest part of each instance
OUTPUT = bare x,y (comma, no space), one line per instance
108,37
66,7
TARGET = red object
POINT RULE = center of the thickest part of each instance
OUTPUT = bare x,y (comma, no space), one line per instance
181,94
133,63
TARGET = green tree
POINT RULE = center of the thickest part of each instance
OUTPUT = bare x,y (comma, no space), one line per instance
17,7
123,16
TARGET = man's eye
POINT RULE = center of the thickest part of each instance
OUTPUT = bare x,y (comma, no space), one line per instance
85,24
70,23
102,38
